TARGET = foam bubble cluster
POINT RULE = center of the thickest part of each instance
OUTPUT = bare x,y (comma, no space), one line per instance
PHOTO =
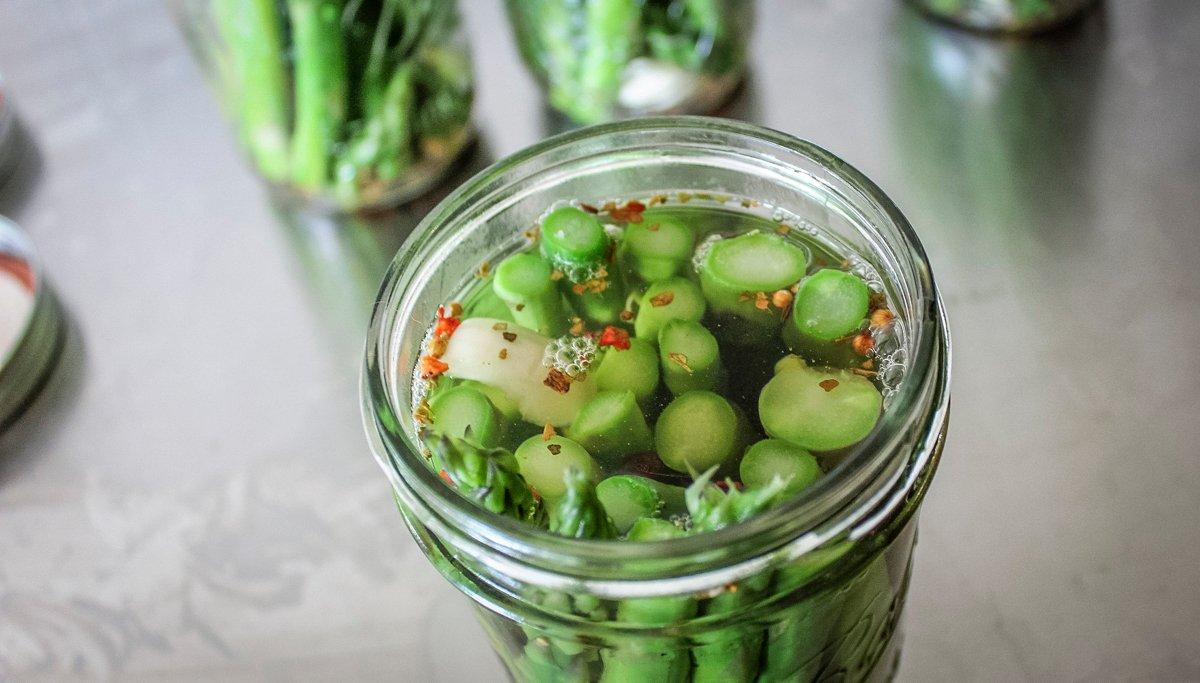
570,355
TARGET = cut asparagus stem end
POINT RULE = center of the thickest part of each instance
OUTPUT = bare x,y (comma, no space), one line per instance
830,304
572,237
659,247
523,282
698,430
671,299
545,463
628,498
819,408
690,357
611,426
771,458
465,412
633,369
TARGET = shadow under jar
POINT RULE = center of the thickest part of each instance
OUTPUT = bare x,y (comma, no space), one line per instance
600,60
811,589
340,105
1005,16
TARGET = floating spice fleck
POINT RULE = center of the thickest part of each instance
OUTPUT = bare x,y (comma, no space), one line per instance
577,327
484,269
554,448
422,414
761,302
503,354
783,229
589,208
828,384
862,343
548,432
680,360
626,315
782,298
446,477
653,227
662,299
519,307
500,326
509,336
882,317
558,380
437,346
864,373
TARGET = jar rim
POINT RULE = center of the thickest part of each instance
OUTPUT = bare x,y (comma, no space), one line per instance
881,482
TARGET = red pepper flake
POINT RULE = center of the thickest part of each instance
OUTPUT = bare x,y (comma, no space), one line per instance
878,300
447,322
589,208
455,309
503,354
578,289
882,317
577,327
864,373
631,212
532,234
745,296
437,346
446,477
484,269
614,337
554,448
863,343
868,364
828,384
509,336
432,367
548,432
625,315
558,380
680,360
653,227
662,299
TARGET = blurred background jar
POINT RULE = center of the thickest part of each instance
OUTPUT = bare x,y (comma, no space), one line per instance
1005,16
341,104
600,60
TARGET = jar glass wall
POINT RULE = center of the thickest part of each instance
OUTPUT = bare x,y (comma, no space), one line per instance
599,61
341,105
1005,16
811,589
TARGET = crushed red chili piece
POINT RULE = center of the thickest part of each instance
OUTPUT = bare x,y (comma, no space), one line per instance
761,302
503,354
614,337
432,367
509,336
631,212
446,477
589,208
828,384
554,448
782,298
882,317
447,322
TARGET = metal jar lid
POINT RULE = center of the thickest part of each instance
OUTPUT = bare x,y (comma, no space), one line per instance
31,324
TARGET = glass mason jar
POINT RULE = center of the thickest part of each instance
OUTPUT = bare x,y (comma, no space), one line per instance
341,105
810,590
600,60
1004,16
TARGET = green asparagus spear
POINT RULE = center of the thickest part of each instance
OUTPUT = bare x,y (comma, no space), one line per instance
739,277
611,34
633,369
611,426
628,498
730,653
253,35
320,83
690,358
658,248
463,410
545,462
487,476
698,430
818,408
575,243
666,300
771,458
579,513
523,282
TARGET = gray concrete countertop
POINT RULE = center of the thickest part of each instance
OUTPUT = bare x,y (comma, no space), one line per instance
193,497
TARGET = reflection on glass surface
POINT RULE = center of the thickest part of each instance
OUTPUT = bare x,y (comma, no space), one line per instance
31,332
997,135
1007,16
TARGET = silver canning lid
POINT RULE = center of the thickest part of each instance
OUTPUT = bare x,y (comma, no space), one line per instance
31,324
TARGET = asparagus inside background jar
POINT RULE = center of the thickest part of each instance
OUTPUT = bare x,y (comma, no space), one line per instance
605,59
602,375
342,103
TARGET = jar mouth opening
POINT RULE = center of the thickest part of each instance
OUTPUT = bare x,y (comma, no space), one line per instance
870,474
